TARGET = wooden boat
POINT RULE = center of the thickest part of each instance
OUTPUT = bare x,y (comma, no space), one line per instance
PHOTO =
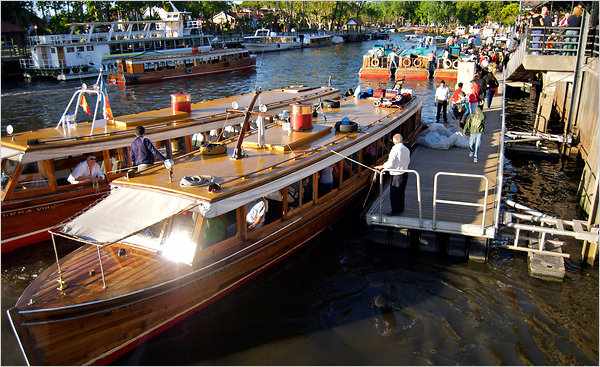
165,67
153,251
35,164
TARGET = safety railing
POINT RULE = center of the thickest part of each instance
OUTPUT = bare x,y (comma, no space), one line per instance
500,169
456,202
418,186
553,40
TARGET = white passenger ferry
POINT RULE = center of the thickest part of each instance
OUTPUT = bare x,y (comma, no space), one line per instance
88,46
266,41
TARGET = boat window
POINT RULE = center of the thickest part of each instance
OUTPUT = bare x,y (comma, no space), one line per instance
63,167
293,195
218,229
256,213
80,49
90,48
8,170
70,49
327,179
53,50
32,176
307,190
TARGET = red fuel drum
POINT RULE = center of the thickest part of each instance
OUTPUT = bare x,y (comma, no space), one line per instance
181,102
301,117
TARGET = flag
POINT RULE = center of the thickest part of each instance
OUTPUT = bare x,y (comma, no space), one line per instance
84,105
108,115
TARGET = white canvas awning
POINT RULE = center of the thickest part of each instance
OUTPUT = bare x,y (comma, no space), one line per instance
123,212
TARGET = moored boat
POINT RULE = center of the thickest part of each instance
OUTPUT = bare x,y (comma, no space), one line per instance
380,62
317,40
36,193
158,68
264,40
166,243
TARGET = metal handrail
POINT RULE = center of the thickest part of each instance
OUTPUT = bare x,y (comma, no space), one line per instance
455,202
418,185
500,171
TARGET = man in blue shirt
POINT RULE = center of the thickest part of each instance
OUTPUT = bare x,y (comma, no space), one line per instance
143,151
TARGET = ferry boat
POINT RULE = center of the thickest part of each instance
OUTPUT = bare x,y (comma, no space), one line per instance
317,40
165,67
266,41
380,62
36,194
414,62
166,243
91,46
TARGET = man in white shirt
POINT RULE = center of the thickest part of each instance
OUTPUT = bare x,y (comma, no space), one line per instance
86,171
398,159
441,98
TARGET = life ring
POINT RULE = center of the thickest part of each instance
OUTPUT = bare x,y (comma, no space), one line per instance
417,63
375,62
406,62
447,63
455,64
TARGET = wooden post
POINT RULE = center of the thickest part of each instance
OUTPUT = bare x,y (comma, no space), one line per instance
168,148
12,182
284,202
301,193
107,161
242,227
48,166
341,172
360,159
188,143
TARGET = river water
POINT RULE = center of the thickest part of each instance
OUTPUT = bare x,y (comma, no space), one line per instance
344,299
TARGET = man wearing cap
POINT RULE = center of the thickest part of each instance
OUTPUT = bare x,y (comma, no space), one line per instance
398,159
143,151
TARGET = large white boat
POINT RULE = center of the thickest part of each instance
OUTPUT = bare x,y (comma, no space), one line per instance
88,46
317,40
266,41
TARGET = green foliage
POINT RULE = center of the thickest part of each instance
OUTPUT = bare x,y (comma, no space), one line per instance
282,15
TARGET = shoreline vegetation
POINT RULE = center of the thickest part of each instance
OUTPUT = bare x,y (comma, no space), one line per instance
51,17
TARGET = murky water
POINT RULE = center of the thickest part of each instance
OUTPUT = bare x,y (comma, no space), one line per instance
344,299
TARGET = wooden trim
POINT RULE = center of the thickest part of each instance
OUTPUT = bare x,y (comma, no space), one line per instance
29,193
284,202
341,172
106,160
12,183
360,159
48,166
188,143
315,187
241,227
301,193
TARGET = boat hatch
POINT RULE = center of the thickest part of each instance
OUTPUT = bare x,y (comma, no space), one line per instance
280,140
149,117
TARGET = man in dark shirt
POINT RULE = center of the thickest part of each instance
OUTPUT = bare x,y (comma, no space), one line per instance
143,151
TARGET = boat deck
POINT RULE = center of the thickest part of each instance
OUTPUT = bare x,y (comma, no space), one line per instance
475,221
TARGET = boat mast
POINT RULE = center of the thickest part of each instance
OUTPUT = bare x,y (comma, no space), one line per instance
237,153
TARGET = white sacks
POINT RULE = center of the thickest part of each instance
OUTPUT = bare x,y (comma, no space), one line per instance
437,136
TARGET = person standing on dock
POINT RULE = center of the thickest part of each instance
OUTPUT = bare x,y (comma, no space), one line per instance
441,99
474,127
398,159
143,152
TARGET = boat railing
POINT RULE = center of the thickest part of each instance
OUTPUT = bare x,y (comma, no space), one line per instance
417,184
457,202
500,169
40,63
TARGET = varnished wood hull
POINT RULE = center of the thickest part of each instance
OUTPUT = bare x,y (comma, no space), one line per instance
207,69
27,222
98,330
101,332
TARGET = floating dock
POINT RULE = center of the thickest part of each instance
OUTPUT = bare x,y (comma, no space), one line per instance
447,192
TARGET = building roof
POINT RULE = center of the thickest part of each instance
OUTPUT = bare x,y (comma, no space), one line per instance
7,27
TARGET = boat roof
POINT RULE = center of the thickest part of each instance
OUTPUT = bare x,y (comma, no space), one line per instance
302,152
48,143
222,52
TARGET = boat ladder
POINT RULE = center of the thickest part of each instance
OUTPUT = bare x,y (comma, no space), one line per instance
543,234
